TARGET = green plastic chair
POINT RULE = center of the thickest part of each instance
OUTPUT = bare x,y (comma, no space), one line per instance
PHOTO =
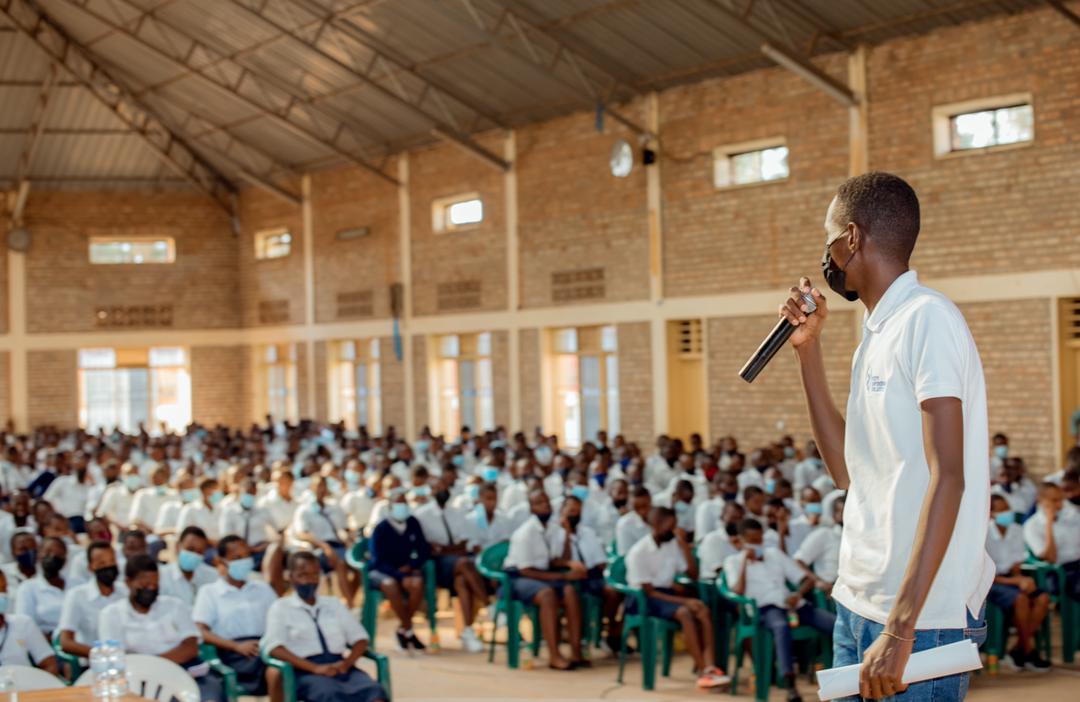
74,667
209,654
357,559
1068,609
649,629
288,675
490,565
762,647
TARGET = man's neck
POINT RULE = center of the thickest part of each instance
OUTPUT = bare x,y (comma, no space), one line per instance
106,590
882,279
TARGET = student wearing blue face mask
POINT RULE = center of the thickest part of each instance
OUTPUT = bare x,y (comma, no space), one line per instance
244,518
183,577
320,524
148,501
117,499
231,615
1013,592
399,551
485,523
204,513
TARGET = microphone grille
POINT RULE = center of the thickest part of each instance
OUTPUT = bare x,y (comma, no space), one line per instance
811,305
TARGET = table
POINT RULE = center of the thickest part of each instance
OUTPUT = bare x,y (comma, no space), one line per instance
68,694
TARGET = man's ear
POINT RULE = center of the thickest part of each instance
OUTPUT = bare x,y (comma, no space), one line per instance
856,237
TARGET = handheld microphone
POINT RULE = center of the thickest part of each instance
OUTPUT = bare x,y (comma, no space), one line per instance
776,338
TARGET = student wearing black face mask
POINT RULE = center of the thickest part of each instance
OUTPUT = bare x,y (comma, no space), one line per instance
24,565
446,530
41,597
83,603
157,625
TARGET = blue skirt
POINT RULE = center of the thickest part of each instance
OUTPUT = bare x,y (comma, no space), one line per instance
354,686
250,672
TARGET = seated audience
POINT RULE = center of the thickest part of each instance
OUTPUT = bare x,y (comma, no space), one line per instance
1053,535
184,577
398,553
243,518
21,641
321,525
83,603
40,598
632,526
820,550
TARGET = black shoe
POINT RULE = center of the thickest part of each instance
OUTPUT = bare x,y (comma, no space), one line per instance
1016,658
1037,664
402,641
414,642
793,695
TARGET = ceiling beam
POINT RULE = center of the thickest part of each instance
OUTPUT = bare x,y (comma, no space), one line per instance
1065,11
282,116
170,147
438,127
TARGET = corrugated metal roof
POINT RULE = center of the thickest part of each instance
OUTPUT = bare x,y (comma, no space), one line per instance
223,75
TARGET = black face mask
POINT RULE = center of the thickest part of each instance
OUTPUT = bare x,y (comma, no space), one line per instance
144,596
731,528
730,496
836,277
619,504
573,521
52,565
1075,500
665,537
442,497
544,518
27,559
107,576
306,591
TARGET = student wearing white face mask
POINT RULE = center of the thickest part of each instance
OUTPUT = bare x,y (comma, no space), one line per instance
244,518
321,526
117,499
486,525
149,501
279,501
359,500
184,577
470,495
203,512
820,551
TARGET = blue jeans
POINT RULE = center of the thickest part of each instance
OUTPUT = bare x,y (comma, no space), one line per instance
775,619
854,634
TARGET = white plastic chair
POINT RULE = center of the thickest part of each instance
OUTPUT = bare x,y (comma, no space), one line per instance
154,678
27,678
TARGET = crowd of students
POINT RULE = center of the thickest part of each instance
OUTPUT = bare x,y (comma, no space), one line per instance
223,536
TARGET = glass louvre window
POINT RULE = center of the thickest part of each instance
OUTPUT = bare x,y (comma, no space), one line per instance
1004,125
463,375
128,388
357,382
585,375
109,251
279,382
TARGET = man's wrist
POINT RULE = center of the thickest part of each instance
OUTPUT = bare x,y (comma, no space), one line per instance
808,348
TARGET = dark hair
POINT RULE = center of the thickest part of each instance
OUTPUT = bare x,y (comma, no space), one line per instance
999,497
139,563
191,531
226,542
658,513
751,491
133,534
639,491
885,206
96,546
298,557
749,524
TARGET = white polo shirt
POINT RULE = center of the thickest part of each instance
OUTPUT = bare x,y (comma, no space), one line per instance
585,545
234,612
67,494
23,643
82,609
1066,535
630,529
1006,549
164,626
916,346
713,551
530,546
821,551
295,624
654,564
766,578
40,600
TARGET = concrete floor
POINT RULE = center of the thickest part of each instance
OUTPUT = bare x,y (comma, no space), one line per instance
454,676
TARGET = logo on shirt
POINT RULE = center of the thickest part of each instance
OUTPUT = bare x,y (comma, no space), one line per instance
874,383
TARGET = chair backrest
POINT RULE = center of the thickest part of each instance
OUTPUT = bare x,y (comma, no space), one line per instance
27,678
359,550
616,571
156,678
493,556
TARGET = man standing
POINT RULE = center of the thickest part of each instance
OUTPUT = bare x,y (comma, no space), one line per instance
912,451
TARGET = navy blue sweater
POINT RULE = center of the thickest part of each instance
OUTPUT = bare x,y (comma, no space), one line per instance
391,550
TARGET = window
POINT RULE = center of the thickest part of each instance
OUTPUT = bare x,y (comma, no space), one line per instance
278,375
132,250
584,371
463,382
750,162
273,243
983,125
356,381
128,388
457,212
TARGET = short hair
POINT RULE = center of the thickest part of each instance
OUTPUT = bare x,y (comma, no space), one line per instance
661,513
96,546
226,542
207,482
133,534
885,206
995,498
749,524
298,557
776,502
751,491
488,487
639,491
140,563
191,531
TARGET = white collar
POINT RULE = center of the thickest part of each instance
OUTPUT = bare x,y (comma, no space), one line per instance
897,292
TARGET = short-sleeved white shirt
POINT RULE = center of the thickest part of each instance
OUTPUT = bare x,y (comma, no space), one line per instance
629,530
650,563
585,545
167,623
530,546
67,494
820,550
766,578
198,514
712,551
916,346
442,526
291,623
254,526
173,583
23,644
482,531
1006,549
234,612
1066,534
82,609
40,600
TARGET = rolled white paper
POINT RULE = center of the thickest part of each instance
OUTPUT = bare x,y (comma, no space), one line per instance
959,657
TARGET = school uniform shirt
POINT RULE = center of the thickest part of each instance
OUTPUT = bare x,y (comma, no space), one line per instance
585,546
530,545
357,505
519,515
482,531
165,625
234,612
767,578
650,563
22,642
254,526
15,577
516,493
748,477
379,512
712,551
12,478
916,346
7,530
553,485
82,608
630,529
296,625
116,504
600,515
658,473
1006,549
1066,535
806,472
281,510
168,516
67,494
40,600
171,581
707,518
198,514
147,504
443,526
820,550
322,522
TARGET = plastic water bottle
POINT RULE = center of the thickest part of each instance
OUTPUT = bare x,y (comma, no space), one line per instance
118,682
99,665
8,693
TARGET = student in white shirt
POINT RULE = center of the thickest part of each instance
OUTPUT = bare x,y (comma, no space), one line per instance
116,500
820,550
203,513
682,502
446,532
21,641
1013,592
632,526
320,638
24,564
279,501
651,566
789,533
231,614
83,603
721,542
762,574
157,626
485,524
68,495
184,493
148,501
184,577
359,500
529,563
1053,535
320,524
242,517
42,597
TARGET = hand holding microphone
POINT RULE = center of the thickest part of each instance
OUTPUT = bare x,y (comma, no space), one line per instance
801,318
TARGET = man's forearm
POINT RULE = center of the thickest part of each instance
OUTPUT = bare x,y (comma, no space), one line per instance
826,422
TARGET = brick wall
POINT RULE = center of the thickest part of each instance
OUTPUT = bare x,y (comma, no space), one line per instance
751,412
392,377
53,388
420,381
274,279
220,384
574,215
475,254
500,378
635,382
64,289
349,198
529,374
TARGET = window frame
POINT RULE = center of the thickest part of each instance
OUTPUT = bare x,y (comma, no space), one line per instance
591,340
348,355
941,120
723,175
136,359
263,235
476,348
440,213
92,240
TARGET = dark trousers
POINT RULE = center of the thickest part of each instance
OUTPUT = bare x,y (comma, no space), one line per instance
775,619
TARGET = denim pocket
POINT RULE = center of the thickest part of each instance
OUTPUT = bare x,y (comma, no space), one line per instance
976,629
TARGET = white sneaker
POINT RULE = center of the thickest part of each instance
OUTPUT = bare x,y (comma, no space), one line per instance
470,641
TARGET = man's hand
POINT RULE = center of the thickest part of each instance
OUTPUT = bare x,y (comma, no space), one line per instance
342,666
807,326
326,669
883,667
682,536
825,586
247,649
576,571
792,600
751,556
1026,584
